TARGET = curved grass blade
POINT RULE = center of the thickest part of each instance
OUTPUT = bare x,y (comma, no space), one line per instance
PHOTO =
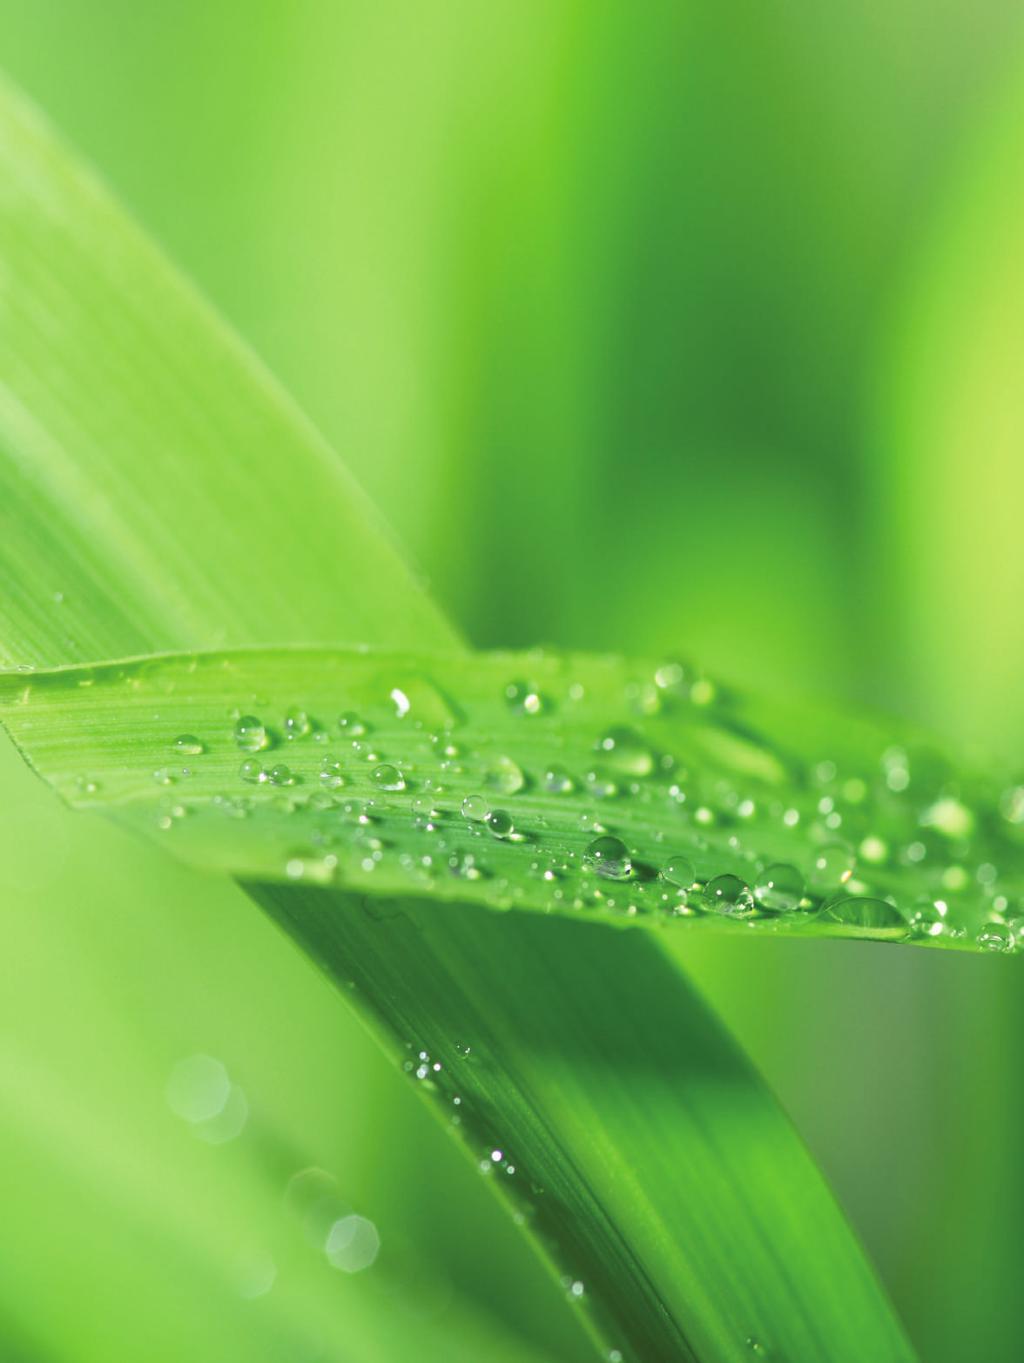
534,781
153,479
137,503
607,1106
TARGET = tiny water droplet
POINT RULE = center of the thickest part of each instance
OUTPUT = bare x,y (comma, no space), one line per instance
332,773
388,777
729,895
351,724
523,699
625,752
296,723
558,781
609,857
779,888
600,785
253,771
188,745
250,734
280,775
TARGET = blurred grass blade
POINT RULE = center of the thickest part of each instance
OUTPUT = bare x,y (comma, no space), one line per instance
158,493
125,471
533,781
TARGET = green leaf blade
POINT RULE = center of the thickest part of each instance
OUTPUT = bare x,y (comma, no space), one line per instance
414,774
124,472
595,1091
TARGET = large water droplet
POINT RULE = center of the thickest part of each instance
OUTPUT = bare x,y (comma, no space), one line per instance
250,734
476,807
779,888
995,937
253,771
388,777
862,911
679,870
499,822
609,857
505,776
729,895
351,724
280,775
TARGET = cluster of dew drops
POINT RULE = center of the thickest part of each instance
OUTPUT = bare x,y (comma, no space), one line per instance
616,857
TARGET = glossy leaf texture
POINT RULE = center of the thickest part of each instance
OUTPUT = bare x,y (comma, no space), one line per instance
587,786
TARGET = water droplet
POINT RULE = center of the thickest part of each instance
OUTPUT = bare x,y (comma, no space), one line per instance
464,865
296,723
558,781
351,724
188,745
609,857
862,911
250,734
388,777
163,776
833,865
926,917
280,775
331,772
779,888
505,776
476,807
523,699
500,823
995,937
253,771
600,785
728,895
678,870
625,752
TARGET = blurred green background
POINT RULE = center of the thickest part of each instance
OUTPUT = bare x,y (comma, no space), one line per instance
651,327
